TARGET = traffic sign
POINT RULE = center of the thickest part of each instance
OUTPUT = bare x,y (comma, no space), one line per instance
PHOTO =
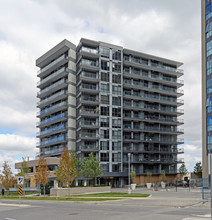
20,180
20,192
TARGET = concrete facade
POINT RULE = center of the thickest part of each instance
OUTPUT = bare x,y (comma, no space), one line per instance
112,101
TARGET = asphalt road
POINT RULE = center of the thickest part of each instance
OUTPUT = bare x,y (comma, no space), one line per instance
161,205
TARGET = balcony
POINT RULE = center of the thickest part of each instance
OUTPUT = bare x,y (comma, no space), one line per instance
55,97
89,50
160,79
90,113
86,88
91,125
52,130
89,76
52,119
46,153
160,66
56,107
48,89
89,136
88,148
53,140
53,77
56,63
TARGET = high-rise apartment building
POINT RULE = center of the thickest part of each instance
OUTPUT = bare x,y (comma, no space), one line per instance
102,98
206,83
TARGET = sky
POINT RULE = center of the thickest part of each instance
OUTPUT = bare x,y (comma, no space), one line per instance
29,28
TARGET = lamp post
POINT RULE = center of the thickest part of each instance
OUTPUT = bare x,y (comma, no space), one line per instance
129,190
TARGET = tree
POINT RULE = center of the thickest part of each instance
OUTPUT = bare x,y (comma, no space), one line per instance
198,169
90,167
24,170
42,173
182,170
7,179
68,168
133,176
163,175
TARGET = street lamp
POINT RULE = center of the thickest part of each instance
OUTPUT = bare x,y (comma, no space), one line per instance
129,190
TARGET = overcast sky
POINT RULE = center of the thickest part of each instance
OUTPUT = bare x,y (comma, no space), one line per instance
28,28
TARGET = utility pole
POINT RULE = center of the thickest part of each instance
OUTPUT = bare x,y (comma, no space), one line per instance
129,190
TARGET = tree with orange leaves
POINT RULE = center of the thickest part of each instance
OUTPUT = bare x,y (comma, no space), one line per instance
7,179
42,173
68,168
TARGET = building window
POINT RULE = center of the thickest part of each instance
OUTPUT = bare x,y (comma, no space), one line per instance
104,134
104,157
116,79
116,90
116,67
105,99
116,112
116,146
116,168
116,135
105,111
116,55
116,157
105,88
104,122
104,145
105,52
105,77
116,101
105,65
116,123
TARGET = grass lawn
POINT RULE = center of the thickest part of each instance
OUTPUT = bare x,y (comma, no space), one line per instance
58,199
137,195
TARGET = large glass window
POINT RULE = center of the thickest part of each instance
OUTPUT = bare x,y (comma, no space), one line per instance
209,67
209,123
116,101
105,99
105,88
116,135
105,111
105,52
105,65
209,48
105,77
116,146
116,123
104,157
209,86
116,67
116,157
116,78
104,122
116,55
104,145
116,112
104,133
116,90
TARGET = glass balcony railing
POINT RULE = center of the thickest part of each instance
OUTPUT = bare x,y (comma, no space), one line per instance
86,123
89,135
46,110
52,63
89,50
52,76
49,152
52,140
63,92
89,63
52,86
53,118
89,147
90,75
55,128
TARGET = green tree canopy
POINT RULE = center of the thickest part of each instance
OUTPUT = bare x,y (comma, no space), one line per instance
90,167
24,168
182,170
198,169
68,168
